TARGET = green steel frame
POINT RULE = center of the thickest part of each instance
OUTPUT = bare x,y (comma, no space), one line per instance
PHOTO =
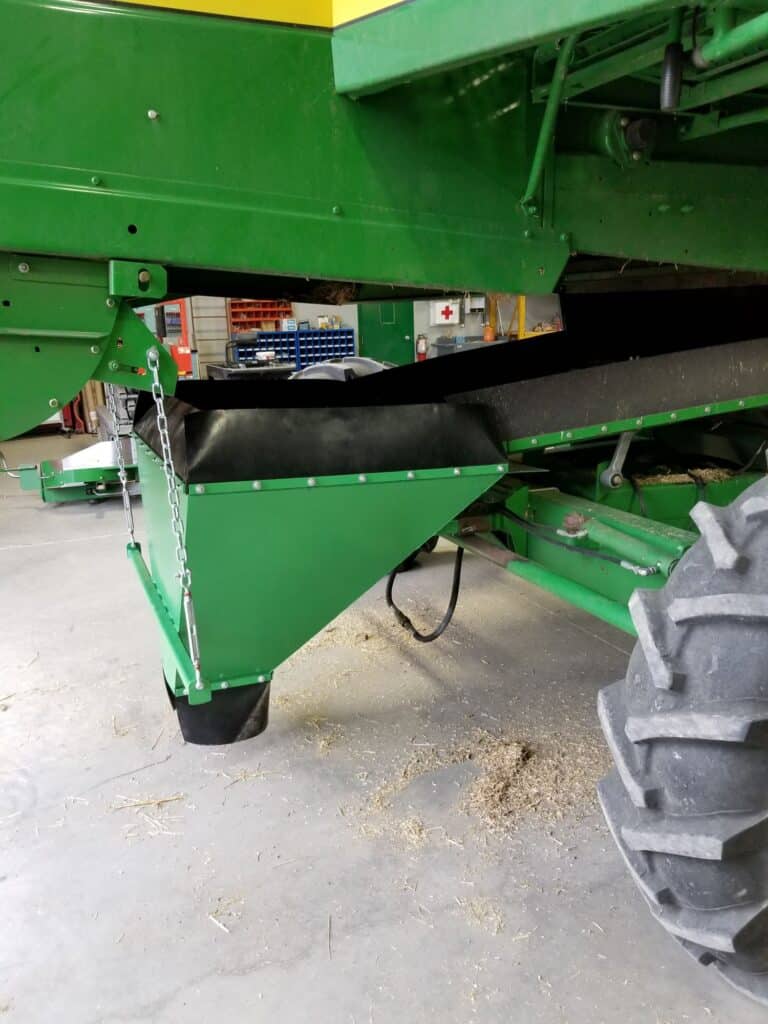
57,486
439,145
480,161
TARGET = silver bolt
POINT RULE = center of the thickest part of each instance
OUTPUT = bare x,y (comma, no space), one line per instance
152,115
53,402
225,685
707,408
144,277
23,268
604,429
638,423
257,485
457,472
95,350
534,440
311,482
636,155
741,403
111,303
673,415
362,478
624,122
199,686
569,434
199,489
262,679
501,469
411,475
114,365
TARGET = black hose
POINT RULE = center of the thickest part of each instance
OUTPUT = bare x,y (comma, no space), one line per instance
672,77
402,618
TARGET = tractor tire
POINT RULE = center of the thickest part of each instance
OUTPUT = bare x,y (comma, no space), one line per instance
688,730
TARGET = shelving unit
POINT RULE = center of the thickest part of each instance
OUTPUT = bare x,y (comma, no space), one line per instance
252,314
302,348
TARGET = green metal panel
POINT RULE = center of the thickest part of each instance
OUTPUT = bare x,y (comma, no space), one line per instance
292,179
423,36
272,565
386,331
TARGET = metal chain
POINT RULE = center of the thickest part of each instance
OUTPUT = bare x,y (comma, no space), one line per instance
184,574
122,475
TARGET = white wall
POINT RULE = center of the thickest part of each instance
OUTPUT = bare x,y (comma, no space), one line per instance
309,311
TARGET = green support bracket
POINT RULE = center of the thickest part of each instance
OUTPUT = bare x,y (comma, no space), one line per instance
129,280
60,327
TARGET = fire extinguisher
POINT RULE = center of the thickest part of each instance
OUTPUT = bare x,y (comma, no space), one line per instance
421,348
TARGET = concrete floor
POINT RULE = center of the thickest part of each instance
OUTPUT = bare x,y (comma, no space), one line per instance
268,888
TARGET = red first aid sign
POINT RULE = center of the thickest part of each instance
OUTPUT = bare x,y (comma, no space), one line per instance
446,312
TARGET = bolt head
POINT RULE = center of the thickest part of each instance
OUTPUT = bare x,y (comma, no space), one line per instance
199,489
411,475
95,180
362,478
637,155
23,268
527,233
604,429
152,115
144,277
53,403
114,365
337,211
224,685
199,686
624,122
95,350
311,482
501,469
457,471
257,485
111,303
262,679
534,440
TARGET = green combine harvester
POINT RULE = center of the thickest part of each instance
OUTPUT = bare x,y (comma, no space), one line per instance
612,150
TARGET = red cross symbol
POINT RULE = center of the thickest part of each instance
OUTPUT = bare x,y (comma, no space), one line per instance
447,312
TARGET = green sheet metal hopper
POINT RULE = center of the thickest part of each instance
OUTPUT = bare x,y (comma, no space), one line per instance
287,514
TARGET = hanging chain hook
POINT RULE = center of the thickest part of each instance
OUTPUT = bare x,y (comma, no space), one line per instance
184,574
119,454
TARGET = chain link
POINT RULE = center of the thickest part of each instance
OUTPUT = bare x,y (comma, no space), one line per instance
184,574
122,475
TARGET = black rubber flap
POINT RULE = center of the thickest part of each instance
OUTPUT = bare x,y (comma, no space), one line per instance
221,445
231,715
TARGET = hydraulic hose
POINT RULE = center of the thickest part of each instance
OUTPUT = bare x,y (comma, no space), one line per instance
405,622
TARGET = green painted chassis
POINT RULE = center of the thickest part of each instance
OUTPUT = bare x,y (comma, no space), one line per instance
57,486
481,161
483,166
